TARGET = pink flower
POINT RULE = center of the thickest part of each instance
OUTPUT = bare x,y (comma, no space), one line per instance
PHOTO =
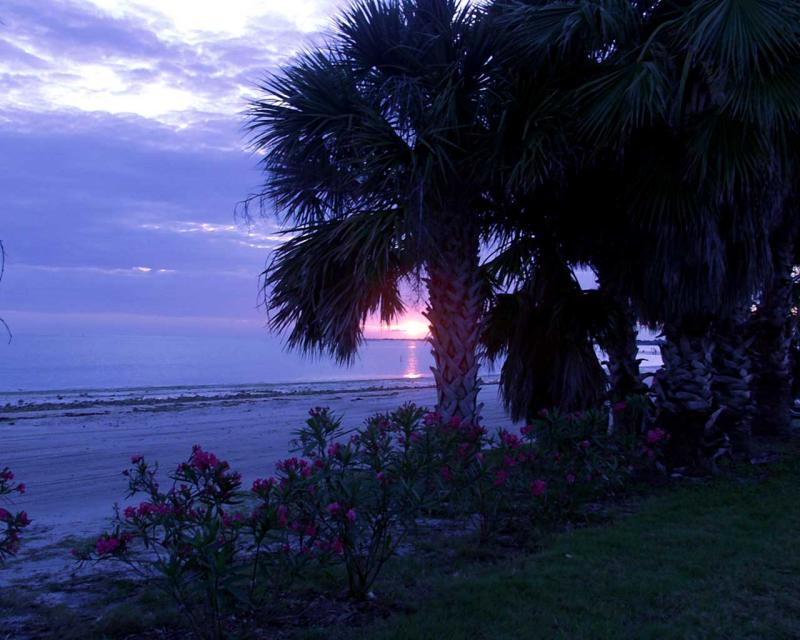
130,513
333,508
203,460
446,474
310,530
136,459
283,515
350,515
538,487
21,488
6,474
22,519
527,430
509,440
337,546
4,515
105,546
380,477
619,406
262,486
655,435
570,478
500,478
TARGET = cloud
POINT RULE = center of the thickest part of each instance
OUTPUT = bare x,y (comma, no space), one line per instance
130,271
118,214
123,156
133,58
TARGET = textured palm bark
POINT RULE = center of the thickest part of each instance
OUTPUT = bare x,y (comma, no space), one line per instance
773,331
732,383
624,374
455,308
684,397
623,358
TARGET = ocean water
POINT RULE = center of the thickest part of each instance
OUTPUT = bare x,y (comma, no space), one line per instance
50,363
69,368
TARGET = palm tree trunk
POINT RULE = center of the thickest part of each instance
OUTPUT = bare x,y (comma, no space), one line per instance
455,306
624,375
684,398
773,329
623,357
731,382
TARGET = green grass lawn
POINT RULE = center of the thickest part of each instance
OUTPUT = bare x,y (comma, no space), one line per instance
711,559
719,559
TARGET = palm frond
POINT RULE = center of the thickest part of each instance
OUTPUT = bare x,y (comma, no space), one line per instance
305,291
742,37
588,29
546,331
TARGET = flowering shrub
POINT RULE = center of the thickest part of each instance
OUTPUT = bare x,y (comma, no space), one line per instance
580,459
555,464
364,492
476,479
214,558
12,523
353,496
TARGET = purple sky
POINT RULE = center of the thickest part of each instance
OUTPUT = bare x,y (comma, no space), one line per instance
123,158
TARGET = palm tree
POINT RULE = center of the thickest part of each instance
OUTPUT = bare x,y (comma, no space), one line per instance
544,326
773,328
693,97
376,147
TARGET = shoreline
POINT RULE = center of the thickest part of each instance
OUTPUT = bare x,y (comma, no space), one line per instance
26,401
70,452
71,461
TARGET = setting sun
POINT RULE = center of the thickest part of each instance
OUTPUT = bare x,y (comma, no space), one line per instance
411,328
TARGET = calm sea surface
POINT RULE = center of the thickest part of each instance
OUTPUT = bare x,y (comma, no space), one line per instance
41,363
73,363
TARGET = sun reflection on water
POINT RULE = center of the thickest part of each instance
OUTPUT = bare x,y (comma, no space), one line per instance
411,372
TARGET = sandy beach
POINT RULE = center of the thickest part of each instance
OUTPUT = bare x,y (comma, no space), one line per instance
70,454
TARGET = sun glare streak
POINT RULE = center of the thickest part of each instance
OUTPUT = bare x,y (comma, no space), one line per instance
412,366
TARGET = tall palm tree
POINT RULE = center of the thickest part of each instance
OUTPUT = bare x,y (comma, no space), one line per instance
694,98
377,148
773,328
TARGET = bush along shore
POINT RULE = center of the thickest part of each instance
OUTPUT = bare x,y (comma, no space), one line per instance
231,557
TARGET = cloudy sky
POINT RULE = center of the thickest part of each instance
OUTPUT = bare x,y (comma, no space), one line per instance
123,158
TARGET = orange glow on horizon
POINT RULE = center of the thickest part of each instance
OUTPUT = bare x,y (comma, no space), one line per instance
412,326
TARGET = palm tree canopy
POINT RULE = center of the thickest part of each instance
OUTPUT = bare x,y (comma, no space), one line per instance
392,112
683,114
